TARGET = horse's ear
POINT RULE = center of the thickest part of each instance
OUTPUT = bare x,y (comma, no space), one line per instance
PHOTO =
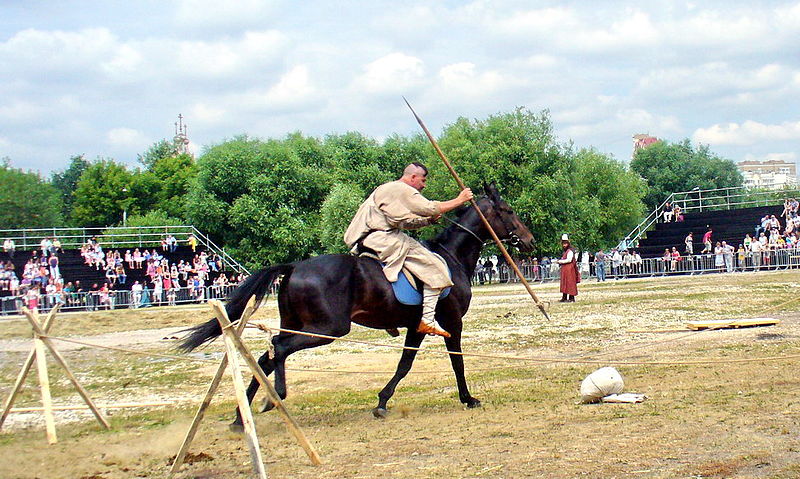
491,192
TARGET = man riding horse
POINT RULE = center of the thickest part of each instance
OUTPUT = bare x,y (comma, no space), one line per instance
379,223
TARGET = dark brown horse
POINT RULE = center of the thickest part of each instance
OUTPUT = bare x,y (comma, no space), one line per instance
324,294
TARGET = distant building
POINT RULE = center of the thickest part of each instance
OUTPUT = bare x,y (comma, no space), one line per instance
642,140
768,174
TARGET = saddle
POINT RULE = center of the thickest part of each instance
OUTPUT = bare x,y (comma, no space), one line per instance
405,292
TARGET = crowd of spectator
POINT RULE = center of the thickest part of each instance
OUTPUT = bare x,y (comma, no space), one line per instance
41,286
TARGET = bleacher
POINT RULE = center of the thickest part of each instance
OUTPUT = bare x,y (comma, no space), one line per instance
73,268
730,226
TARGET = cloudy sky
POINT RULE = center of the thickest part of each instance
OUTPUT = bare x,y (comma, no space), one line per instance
109,78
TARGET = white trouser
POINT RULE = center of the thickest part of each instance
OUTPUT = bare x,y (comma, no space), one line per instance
430,296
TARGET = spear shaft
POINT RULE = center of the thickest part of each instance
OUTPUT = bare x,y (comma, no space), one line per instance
474,204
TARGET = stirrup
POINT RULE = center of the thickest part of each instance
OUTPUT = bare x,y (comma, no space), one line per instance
433,330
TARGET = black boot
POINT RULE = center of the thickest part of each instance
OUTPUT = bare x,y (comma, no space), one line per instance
564,298
571,299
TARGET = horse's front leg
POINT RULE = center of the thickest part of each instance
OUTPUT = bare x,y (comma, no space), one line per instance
457,360
413,340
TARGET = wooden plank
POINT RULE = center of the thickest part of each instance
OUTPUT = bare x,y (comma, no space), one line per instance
212,388
26,367
251,437
731,323
44,387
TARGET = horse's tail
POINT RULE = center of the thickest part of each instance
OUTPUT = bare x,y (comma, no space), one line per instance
257,284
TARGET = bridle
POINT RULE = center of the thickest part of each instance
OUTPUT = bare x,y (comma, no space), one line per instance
512,239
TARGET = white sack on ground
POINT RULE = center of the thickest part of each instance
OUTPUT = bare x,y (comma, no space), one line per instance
601,383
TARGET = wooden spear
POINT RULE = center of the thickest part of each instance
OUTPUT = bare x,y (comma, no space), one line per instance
496,239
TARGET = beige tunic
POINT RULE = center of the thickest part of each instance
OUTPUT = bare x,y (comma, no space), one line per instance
391,208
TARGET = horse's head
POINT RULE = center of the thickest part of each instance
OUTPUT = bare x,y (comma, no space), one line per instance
504,221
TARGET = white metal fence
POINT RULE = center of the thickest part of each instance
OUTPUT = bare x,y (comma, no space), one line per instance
122,299
779,259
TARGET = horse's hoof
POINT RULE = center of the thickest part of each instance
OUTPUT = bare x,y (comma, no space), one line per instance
473,403
380,413
236,428
267,405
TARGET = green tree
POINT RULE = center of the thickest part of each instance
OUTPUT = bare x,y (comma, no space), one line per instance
358,159
674,167
26,200
104,191
174,176
519,152
609,199
158,151
262,198
338,209
552,188
67,181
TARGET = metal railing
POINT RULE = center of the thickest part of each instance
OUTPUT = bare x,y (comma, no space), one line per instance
707,200
116,299
779,259
118,237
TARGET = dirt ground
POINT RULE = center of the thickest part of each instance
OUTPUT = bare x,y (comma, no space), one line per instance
720,403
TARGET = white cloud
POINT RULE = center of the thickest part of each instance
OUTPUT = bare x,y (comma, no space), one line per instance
392,73
212,13
206,114
711,28
713,80
126,138
747,133
464,79
21,111
271,67
618,124
126,60
67,51
633,30
294,87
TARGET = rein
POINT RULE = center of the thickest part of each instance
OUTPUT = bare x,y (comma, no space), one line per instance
465,229
513,239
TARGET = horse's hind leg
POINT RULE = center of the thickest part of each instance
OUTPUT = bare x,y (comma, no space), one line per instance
457,361
287,344
413,340
267,365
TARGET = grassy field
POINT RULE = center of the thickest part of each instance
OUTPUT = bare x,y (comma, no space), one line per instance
715,418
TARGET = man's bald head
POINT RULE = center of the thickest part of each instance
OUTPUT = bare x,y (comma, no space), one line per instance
415,168
415,175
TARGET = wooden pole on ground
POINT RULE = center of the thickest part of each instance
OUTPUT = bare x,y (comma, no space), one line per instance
250,434
293,427
60,360
496,239
26,367
44,387
212,388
